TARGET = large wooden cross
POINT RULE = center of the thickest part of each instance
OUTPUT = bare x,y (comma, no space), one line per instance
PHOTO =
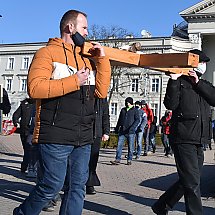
168,62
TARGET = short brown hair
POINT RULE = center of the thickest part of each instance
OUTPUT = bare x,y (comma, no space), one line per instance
70,15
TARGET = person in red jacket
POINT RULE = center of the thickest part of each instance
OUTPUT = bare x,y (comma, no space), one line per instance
150,118
165,123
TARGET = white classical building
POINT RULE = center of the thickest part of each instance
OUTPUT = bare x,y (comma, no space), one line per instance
198,31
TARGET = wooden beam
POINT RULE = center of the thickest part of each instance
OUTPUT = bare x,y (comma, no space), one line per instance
129,59
173,70
117,57
168,60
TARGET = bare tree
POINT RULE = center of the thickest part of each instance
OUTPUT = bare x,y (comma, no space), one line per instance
113,37
97,32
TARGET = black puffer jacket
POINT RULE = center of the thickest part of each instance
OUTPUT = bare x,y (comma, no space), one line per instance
5,105
191,112
24,113
128,121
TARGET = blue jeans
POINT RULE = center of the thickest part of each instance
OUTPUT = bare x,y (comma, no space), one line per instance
121,141
55,162
152,141
147,145
139,140
165,141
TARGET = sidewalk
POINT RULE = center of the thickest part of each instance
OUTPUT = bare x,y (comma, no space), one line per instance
125,189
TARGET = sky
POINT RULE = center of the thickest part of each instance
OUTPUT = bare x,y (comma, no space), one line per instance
27,21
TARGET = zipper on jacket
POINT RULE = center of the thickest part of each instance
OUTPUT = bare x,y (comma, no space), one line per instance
55,114
81,88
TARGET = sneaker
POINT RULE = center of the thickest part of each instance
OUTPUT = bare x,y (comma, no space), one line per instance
32,173
170,156
128,162
159,211
90,190
115,162
49,207
56,199
149,153
137,157
17,211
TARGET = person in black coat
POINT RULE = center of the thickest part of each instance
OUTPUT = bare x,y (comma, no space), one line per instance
101,133
5,105
189,98
126,127
24,113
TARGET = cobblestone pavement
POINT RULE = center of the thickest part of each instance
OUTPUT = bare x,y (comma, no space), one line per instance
124,190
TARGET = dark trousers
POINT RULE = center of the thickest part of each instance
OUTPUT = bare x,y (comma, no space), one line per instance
25,147
93,179
189,161
33,152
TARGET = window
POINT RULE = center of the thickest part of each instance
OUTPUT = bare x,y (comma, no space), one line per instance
25,63
10,63
8,83
117,82
154,107
134,85
155,85
113,110
23,84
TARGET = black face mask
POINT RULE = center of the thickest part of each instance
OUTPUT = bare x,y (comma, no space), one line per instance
78,39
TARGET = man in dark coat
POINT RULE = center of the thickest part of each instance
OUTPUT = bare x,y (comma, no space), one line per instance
24,113
101,133
5,106
189,98
126,126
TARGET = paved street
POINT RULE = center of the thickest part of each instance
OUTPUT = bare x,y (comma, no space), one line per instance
125,189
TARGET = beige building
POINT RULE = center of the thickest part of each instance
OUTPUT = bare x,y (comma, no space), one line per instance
198,31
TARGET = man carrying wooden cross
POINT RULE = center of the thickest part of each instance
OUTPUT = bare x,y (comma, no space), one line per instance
189,98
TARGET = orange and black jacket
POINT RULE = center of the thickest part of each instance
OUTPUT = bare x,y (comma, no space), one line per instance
65,111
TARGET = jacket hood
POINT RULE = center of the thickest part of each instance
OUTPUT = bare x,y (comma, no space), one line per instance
59,42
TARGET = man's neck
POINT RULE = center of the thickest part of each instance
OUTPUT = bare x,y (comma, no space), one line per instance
67,38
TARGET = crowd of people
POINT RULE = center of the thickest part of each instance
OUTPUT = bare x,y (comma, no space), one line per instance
66,116
136,123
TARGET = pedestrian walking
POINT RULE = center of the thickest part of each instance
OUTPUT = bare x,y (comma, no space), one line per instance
125,128
140,129
65,84
101,133
189,98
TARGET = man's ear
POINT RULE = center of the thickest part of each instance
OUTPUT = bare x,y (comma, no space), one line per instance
71,28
